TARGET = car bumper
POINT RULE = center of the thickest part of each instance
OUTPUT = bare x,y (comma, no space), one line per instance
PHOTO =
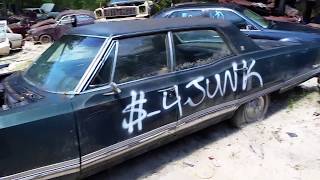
4,48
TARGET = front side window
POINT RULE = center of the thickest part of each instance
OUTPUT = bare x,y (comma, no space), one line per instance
229,16
141,57
62,65
256,18
199,47
186,13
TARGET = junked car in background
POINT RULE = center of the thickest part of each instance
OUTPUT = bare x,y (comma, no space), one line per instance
16,40
248,21
9,40
4,46
109,91
46,11
21,27
52,29
125,8
4,41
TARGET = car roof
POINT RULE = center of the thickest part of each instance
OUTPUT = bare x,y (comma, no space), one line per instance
199,5
74,12
208,5
131,27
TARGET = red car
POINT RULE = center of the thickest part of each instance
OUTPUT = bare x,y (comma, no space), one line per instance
52,29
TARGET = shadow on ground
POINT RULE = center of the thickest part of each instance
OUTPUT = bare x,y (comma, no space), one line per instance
150,162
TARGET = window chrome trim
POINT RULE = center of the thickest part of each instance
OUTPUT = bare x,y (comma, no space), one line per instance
99,66
47,172
171,51
84,80
115,61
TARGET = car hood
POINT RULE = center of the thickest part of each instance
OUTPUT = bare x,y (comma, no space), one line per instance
286,26
18,92
47,7
44,23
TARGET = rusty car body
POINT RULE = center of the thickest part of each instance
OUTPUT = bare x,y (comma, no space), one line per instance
52,29
109,91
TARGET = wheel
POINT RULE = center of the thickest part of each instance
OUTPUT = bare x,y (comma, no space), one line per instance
45,39
251,111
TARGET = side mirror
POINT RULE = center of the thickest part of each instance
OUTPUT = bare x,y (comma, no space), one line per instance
115,89
249,27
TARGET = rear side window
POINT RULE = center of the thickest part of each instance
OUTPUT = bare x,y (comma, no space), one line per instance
186,13
141,57
200,47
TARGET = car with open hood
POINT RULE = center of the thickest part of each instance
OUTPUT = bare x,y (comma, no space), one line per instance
109,91
45,11
252,24
52,29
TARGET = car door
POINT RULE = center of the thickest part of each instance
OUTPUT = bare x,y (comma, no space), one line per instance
206,73
128,101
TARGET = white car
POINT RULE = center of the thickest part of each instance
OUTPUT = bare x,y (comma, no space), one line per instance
16,40
4,46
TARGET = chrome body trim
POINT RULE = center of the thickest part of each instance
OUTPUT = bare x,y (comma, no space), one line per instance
47,172
103,154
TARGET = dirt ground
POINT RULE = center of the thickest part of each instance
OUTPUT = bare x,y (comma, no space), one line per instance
21,59
284,146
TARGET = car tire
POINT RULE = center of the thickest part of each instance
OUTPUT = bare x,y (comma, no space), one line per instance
45,39
251,111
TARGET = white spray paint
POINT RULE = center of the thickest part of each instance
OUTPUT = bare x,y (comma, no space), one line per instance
176,102
196,84
139,111
230,78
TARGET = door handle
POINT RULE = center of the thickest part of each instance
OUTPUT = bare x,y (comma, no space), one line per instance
115,89
242,69
171,91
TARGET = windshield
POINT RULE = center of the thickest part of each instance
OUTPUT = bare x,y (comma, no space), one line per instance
256,18
60,68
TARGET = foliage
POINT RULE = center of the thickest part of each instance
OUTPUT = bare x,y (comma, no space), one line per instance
161,4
